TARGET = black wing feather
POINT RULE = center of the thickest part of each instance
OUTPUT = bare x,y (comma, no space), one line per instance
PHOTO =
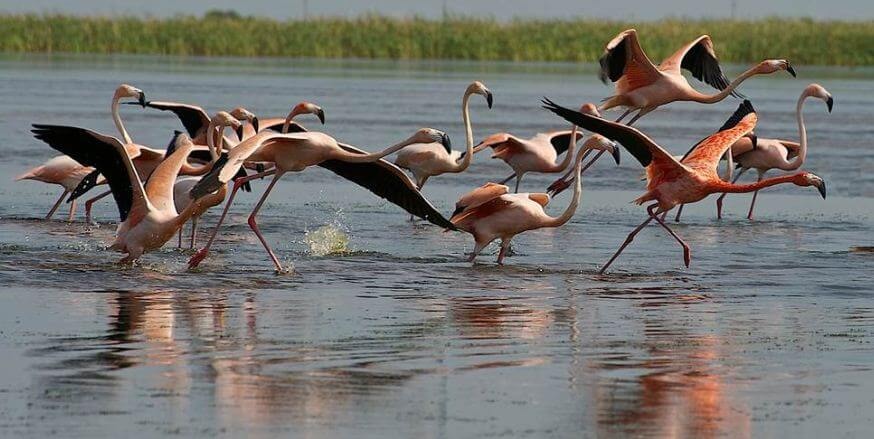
562,141
85,185
194,119
613,62
88,150
745,108
704,67
293,127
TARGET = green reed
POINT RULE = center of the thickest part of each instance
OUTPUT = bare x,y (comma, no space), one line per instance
802,41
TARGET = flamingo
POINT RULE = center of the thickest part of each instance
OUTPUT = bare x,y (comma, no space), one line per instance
770,154
61,170
671,182
431,159
295,152
643,86
147,213
490,212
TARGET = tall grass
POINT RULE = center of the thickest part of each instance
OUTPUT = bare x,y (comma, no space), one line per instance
800,40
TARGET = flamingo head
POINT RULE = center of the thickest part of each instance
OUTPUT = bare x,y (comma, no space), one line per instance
307,108
129,91
769,66
818,91
479,88
590,109
601,143
810,179
430,135
224,119
242,114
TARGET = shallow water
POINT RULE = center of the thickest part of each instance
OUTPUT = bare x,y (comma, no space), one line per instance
381,329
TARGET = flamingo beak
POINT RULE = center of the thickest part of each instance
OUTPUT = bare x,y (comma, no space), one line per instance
321,115
255,124
830,102
239,132
141,99
615,153
821,189
489,99
791,70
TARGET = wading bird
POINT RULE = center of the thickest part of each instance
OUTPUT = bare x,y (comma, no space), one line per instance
61,170
539,153
431,159
491,212
643,86
147,214
768,154
297,151
670,182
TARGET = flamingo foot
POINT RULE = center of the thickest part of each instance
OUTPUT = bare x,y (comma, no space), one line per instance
198,257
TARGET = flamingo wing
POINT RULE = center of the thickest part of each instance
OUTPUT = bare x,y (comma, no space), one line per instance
707,153
478,196
791,147
293,127
193,118
108,156
561,140
644,149
625,63
389,182
699,58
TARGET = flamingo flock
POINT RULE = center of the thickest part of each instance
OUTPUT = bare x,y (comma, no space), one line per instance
158,191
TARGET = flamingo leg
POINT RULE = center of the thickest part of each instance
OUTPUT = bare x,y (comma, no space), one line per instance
687,252
755,194
679,212
505,245
420,183
641,113
564,181
477,248
591,162
518,180
254,225
179,245
625,244
89,203
57,204
504,181
626,113
72,211
193,233
238,183
721,197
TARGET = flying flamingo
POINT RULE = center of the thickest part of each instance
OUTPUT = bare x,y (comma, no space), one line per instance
431,159
61,170
539,153
670,182
148,216
770,154
490,212
643,86
297,151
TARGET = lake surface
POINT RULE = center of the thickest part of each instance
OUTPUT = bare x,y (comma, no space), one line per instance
383,330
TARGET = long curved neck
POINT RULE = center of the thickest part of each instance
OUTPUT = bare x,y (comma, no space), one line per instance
723,186
569,155
287,124
213,135
711,99
578,190
802,135
117,119
374,156
465,115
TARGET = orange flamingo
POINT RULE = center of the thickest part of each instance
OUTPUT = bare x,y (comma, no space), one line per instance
643,86
539,153
768,154
491,212
671,182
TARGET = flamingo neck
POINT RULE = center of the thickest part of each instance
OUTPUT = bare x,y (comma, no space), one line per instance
723,186
578,190
116,117
214,134
374,156
802,135
465,115
569,154
714,98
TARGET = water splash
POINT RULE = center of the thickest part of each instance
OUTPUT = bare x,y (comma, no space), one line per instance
326,240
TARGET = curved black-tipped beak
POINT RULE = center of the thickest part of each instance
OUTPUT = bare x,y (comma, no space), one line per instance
254,124
821,189
616,155
321,115
830,102
141,99
444,139
239,132
489,99
791,70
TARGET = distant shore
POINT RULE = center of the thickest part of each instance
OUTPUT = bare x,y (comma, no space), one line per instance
802,41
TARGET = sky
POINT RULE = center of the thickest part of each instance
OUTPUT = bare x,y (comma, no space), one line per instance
499,9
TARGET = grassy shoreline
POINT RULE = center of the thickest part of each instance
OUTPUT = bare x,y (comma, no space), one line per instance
802,41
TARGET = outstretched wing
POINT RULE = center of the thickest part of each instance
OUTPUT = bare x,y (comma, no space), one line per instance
107,155
625,63
699,58
561,140
480,195
193,118
276,126
389,182
707,153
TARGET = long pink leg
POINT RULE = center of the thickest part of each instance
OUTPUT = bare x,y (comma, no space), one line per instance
193,232
72,211
91,202
679,212
201,254
626,113
254,225
687,252
57,204
721,197
505,244
625,244
477,248
180,236
564,181
755,194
